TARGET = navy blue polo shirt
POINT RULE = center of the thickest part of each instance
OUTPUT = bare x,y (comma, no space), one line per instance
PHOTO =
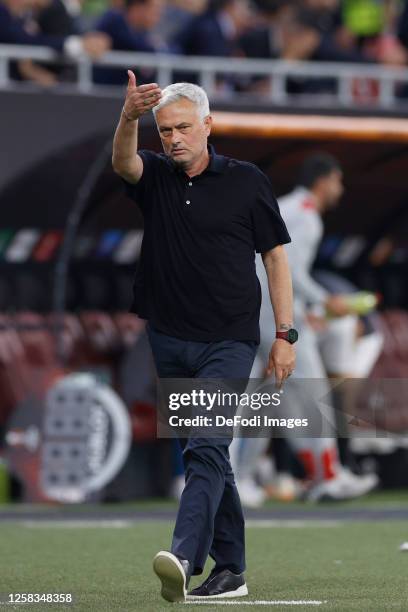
196,278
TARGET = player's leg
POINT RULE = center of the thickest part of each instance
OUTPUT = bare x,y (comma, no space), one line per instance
245,452
318,456
346,356
337,345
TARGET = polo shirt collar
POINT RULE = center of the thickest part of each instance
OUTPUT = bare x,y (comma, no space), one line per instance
217,162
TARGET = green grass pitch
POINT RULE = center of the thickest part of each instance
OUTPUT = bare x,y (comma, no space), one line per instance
351,566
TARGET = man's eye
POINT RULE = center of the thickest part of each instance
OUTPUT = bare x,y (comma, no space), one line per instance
184,128
166,132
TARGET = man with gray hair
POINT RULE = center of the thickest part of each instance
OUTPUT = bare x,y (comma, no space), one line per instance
205,216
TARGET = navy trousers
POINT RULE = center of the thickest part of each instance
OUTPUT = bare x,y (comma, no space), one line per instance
210,519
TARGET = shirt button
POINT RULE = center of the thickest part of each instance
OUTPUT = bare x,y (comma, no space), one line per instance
187,201
190,184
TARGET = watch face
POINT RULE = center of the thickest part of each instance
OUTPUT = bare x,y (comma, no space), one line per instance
292,335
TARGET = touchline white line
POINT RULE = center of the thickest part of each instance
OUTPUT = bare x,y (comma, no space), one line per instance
79,524
292,524
260,602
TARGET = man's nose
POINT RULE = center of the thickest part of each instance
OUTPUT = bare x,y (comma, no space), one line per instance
175,138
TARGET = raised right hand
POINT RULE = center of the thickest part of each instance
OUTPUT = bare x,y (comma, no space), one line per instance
140,100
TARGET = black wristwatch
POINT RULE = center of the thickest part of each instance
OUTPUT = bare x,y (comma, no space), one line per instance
290,335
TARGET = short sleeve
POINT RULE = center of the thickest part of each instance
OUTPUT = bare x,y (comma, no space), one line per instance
141,191
268,226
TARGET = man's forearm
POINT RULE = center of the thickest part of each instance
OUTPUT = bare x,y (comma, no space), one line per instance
125,145
280,286
139,100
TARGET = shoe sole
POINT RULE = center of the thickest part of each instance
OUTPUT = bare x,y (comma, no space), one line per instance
241,591
171,574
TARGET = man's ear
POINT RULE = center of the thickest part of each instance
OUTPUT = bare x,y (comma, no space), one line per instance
208,123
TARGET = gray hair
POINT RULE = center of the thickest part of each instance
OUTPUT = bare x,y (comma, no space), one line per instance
177,91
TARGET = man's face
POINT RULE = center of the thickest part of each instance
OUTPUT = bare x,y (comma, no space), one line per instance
152,13
241,14
332,188
19,7
183,133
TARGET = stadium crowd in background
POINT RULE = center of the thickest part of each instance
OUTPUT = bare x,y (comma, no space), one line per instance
374,31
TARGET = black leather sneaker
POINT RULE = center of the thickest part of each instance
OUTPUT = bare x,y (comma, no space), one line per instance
174,574
220,584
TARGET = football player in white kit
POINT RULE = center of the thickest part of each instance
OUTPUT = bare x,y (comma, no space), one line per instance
326,346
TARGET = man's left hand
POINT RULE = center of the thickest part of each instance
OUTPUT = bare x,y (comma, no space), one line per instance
282,360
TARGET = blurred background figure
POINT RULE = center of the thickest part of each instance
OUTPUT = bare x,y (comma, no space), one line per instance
299,31
329,343
216,32
279,33
324,31
56,17
131,28
178,14
51,18
18,26
374,28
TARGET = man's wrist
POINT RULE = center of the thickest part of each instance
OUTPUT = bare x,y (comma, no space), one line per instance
289,335
284,326
128,117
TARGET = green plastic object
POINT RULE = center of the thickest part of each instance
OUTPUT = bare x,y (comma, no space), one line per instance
4,483
362,302
364,17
